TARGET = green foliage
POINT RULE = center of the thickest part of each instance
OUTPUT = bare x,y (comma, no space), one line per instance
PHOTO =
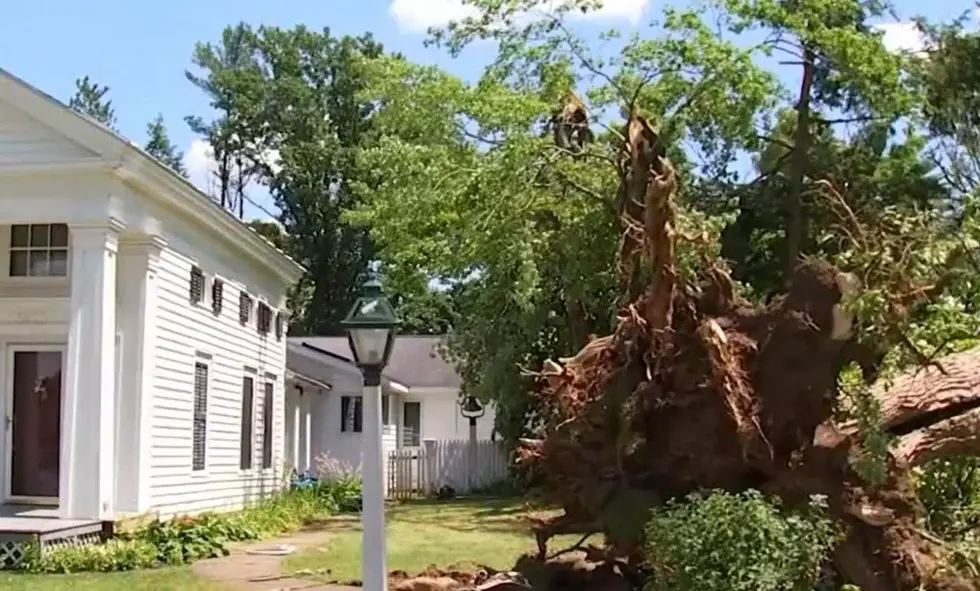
159,146
90,99
950,490
112,556
183,540
727,542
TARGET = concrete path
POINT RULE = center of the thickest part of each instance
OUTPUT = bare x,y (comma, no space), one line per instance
248,572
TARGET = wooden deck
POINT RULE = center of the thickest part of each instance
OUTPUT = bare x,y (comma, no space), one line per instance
24,525
23,522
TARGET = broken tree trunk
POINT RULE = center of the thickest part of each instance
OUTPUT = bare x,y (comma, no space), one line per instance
697,390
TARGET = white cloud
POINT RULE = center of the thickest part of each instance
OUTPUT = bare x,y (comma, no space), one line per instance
201,168
417,16
199,160
902,37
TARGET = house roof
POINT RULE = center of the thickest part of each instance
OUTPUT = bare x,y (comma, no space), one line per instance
135,162
415,360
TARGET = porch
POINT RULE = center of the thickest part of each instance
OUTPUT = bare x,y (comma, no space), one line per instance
24,525
71,340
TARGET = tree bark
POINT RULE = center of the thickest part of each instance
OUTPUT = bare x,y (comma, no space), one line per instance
801,149
934,411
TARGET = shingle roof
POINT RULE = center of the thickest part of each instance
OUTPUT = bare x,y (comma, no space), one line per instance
415,360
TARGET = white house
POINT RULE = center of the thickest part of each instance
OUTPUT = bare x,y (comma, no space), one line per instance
141,326
420,400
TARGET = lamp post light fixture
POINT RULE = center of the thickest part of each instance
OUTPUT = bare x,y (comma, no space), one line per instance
371,326
472,409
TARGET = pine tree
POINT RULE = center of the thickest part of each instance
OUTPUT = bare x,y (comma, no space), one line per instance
90,99
159,146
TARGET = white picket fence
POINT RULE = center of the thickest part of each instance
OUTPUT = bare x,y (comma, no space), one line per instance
422,471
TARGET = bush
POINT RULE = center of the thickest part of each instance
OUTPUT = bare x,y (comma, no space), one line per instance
950,490
114,555
727,542
183,540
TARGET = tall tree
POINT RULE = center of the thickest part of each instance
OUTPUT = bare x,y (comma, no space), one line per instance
159,146
291,111
92,99
224,76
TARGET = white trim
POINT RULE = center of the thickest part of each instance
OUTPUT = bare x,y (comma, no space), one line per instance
292,376
247,372
421,403
345,366
8,461
267,379
58,168
134,164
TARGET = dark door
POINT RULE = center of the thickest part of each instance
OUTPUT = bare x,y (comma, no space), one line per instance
35,424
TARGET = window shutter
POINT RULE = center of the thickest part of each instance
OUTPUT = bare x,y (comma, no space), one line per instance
279,326
200,419
248,393
268,414
217,295
197,285
244,307
264,319
351,414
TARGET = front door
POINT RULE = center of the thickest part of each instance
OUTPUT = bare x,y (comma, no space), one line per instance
34,423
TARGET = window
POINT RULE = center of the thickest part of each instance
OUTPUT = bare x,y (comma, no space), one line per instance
196,285
248,395
244,308
200,427
412,424
217,295
39,250
263,321
268,415
352,413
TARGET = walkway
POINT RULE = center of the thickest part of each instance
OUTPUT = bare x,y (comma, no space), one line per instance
249,572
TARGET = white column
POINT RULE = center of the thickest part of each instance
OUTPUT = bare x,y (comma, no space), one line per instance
398,400
374,574
139,260
87,482
295,419
306,404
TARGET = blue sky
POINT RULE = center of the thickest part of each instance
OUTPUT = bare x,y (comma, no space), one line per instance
141,49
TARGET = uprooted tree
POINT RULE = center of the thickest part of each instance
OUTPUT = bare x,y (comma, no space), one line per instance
697,389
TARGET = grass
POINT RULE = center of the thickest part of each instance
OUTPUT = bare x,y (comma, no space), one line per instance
422,533
168,579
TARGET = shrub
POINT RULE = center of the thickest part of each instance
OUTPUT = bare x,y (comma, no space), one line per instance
184,540
950,490
726,542
114,555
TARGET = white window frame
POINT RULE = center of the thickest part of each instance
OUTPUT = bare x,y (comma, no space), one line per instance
48,248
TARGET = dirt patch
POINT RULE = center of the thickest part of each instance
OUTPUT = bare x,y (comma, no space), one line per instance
573,572
246,572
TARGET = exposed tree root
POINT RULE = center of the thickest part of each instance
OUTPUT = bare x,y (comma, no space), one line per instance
696,390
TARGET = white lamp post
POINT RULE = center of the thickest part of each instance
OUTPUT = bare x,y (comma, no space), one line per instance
371,326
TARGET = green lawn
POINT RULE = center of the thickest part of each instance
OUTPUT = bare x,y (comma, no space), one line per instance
422,533
170,579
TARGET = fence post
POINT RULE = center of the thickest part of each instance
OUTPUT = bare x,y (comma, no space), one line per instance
430,456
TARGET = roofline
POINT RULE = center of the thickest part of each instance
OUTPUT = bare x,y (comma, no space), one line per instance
298,377
180,194
170,187
394,384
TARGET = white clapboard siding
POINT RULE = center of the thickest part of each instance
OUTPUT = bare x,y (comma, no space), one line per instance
458,464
